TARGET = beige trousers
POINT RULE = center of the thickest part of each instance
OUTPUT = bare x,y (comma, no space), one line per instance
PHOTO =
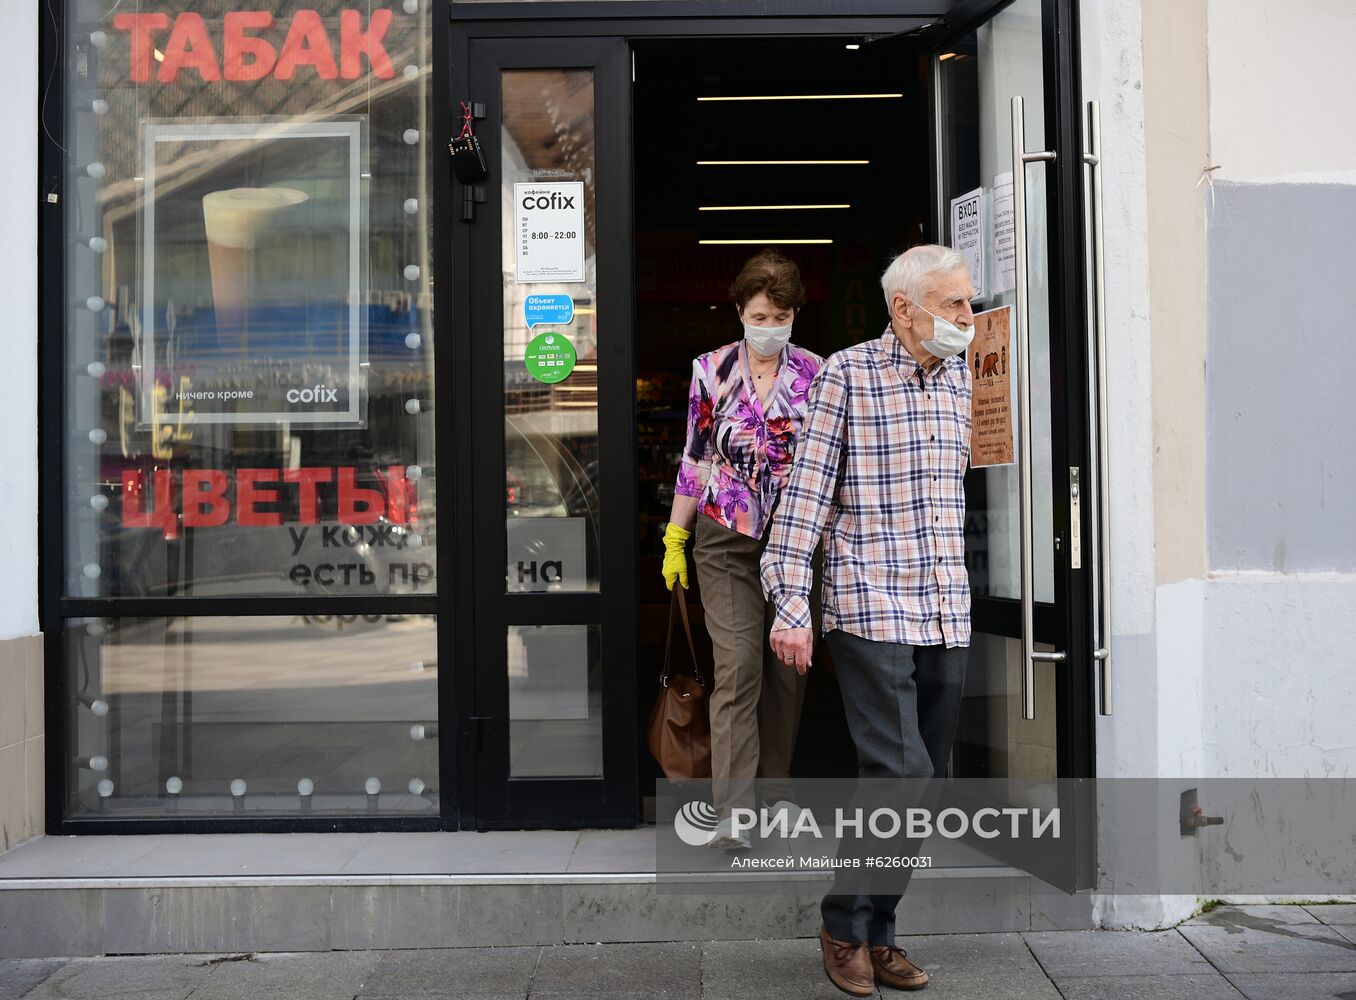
756,700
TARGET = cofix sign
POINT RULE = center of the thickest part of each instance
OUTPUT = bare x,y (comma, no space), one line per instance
253,44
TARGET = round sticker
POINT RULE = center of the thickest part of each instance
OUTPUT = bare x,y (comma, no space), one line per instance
549,358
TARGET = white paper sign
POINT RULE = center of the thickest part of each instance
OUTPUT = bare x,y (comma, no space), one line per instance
549,227
1004,235
967,234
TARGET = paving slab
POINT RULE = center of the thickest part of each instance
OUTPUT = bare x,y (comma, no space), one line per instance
453,972
1256,944
1083,954
247,854
957,984
653,970
1297,986
19,975
1333,913
511,851
1138,987
158,978
763,970
289,976
971,954
1230,916
614,851
79,857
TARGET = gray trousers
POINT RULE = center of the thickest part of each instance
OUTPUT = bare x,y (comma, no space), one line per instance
901,703
756,700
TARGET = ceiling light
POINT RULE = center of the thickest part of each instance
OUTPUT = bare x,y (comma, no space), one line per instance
764,208
945,56
852,46
762,242
781,163
804,97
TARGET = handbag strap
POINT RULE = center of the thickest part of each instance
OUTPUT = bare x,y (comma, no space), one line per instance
679,601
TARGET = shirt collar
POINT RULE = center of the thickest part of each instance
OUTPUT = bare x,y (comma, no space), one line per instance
894,352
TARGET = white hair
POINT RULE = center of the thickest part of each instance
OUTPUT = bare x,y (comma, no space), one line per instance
909,274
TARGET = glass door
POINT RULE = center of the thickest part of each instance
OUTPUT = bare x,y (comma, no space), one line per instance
1008,176
543,298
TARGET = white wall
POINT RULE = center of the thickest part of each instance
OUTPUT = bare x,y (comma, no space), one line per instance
18,293
1281,79
1279,661
1153,698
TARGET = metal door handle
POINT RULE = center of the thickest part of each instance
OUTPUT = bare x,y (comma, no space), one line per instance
1020,158
1097,416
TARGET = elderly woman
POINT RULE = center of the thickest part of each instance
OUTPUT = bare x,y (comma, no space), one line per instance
745,410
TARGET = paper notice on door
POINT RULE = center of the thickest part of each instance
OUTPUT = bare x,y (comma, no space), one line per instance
967,235
549,231
1004,235
991,402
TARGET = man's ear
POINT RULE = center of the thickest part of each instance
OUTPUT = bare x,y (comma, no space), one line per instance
897,309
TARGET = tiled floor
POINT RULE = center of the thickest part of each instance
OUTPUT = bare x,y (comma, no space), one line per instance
1252,952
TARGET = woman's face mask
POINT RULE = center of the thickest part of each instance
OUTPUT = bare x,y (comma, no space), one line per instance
948,340
767,340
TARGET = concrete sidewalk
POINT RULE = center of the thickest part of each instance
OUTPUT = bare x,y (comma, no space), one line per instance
1257,952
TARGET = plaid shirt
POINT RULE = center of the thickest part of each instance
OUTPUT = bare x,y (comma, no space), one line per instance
880,476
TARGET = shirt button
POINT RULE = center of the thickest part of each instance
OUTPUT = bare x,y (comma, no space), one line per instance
934,437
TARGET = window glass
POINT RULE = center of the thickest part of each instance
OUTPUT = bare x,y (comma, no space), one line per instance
555,701
249,345
282,715
550,330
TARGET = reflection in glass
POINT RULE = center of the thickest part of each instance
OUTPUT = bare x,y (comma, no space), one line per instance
555,702
1001,60
329,715
551,430
249,398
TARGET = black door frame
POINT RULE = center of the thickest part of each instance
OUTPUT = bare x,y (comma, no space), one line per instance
483,729
1066,622
935,22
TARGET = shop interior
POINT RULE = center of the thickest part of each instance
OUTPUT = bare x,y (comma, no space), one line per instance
698,218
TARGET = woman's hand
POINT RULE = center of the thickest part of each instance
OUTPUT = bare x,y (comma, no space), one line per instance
675,555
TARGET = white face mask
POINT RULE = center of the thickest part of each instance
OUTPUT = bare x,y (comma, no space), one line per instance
948,340
768,340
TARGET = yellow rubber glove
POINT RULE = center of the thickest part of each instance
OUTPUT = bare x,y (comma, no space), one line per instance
675,556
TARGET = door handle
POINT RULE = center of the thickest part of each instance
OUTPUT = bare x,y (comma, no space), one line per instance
1097,414
1030,655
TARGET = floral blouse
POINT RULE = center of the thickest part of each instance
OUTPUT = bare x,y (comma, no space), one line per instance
738,455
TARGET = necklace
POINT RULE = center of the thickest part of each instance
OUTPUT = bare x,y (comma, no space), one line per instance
770,369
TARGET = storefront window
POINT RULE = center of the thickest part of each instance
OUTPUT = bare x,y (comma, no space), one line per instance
290,716
249,335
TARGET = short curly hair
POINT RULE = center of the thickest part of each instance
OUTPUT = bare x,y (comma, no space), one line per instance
769,272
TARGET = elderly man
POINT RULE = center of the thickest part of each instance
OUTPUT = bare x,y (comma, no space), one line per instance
880,477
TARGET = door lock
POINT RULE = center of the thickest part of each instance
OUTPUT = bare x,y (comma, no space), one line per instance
1075,518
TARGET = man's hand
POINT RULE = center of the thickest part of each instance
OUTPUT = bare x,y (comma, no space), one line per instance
794,646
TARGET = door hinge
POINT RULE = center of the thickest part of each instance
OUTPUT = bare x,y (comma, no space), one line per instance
477,728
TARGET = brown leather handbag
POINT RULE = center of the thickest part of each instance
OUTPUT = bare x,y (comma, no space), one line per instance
680,728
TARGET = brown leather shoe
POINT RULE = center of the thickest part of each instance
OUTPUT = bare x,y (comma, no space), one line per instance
847,965
894,970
